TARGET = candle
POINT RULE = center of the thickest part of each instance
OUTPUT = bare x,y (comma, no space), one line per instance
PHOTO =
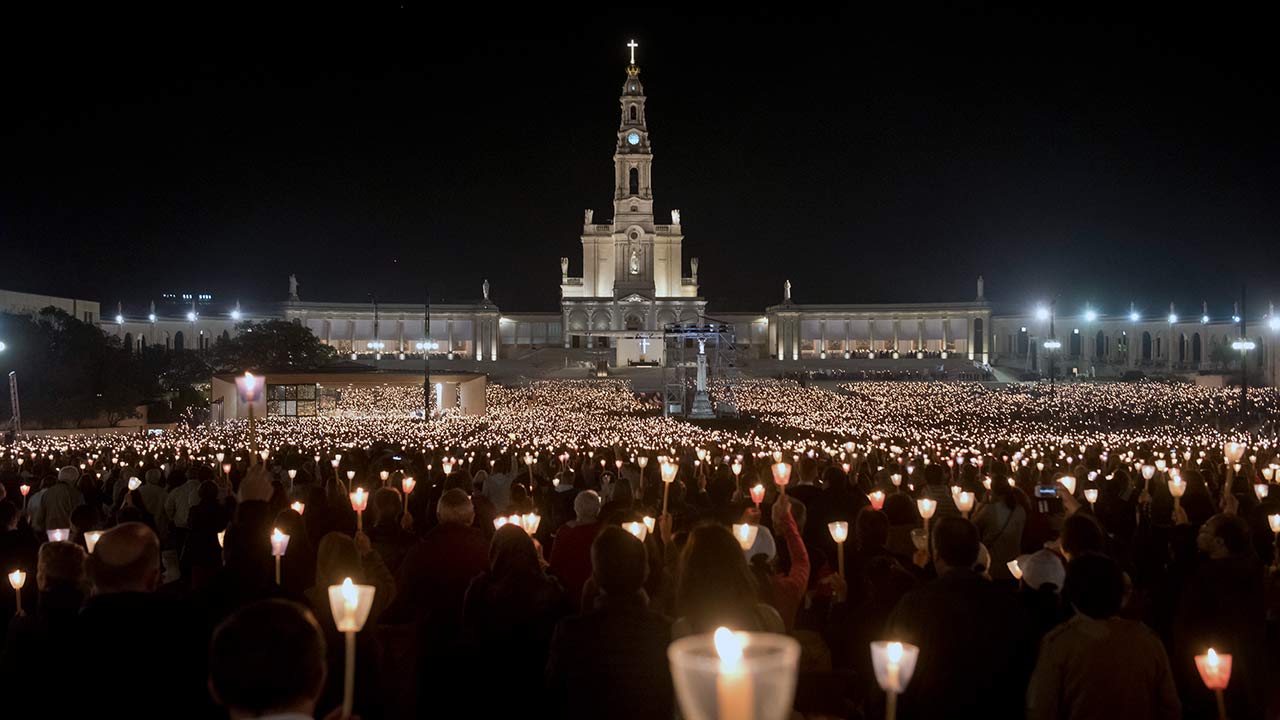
1261,490
636,528
669,470
734,689
746,535
839,530
894,663
408,483
1215,671
877,499
781,476
279,543
964,502
350,605
384,475
1014,569
1091,494
134,484
17,579
298,507
359,501
757,494
1177,488
1069,482
91,539
58,534
221,535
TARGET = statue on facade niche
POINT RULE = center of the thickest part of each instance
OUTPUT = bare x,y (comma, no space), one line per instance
588,216
675,217
980,287
564,267
293,286
786,291
693,266
484,287
635,261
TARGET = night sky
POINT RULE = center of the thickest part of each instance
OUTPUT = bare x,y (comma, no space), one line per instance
867,158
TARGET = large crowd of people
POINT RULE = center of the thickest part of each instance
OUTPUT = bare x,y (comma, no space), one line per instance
1063,555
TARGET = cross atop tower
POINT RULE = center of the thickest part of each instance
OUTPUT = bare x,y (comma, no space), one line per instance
633,45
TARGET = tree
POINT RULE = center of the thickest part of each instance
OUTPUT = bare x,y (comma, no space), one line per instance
271,345
69,371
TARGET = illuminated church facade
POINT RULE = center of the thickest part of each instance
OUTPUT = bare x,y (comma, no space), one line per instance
633,280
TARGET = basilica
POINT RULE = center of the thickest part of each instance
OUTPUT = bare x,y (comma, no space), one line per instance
633,286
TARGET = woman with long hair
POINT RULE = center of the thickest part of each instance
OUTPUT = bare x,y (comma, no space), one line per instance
339,557
509,614
1001,523
717,588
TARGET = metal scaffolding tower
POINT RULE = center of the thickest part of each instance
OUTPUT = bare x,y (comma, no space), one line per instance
682,341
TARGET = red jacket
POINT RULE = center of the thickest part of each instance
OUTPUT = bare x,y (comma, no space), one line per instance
571,558
789,589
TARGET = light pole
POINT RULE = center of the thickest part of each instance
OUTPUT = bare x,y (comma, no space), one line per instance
1051,347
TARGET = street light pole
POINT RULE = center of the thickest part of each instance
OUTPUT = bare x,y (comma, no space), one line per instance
1244,363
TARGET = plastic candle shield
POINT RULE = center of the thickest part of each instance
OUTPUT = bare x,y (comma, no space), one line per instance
964,501
58,534
839,530
1069,482
669,471
1177,487
408,483
750,676
1014,569
91,539
757,494
894,664
636,528
359,500
926,506
279,542
877,499
350,605
781,473
17,579
745,535
1215,669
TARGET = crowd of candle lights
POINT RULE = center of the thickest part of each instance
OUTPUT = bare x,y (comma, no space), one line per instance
888,429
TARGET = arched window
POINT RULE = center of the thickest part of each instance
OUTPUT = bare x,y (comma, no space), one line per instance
634,181
178,340
633,113
1100,345
1195,348
1146,347
128,342
978,338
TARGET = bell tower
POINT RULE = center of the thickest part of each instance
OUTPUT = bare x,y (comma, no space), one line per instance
633,156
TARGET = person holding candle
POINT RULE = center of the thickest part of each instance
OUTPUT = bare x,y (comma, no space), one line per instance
571,552
338,557
248,651
974,638
38,640
389,537
201,556
612,660
1221,604
1098,665
508,616
1001,523
57,502
127,615
787,588
715,587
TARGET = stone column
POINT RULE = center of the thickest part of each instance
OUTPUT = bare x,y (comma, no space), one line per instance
822,327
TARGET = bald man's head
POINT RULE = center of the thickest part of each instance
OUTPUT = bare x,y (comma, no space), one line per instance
126,559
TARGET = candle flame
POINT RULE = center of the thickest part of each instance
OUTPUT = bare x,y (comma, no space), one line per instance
893,651
729,646
350,596
1212,659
